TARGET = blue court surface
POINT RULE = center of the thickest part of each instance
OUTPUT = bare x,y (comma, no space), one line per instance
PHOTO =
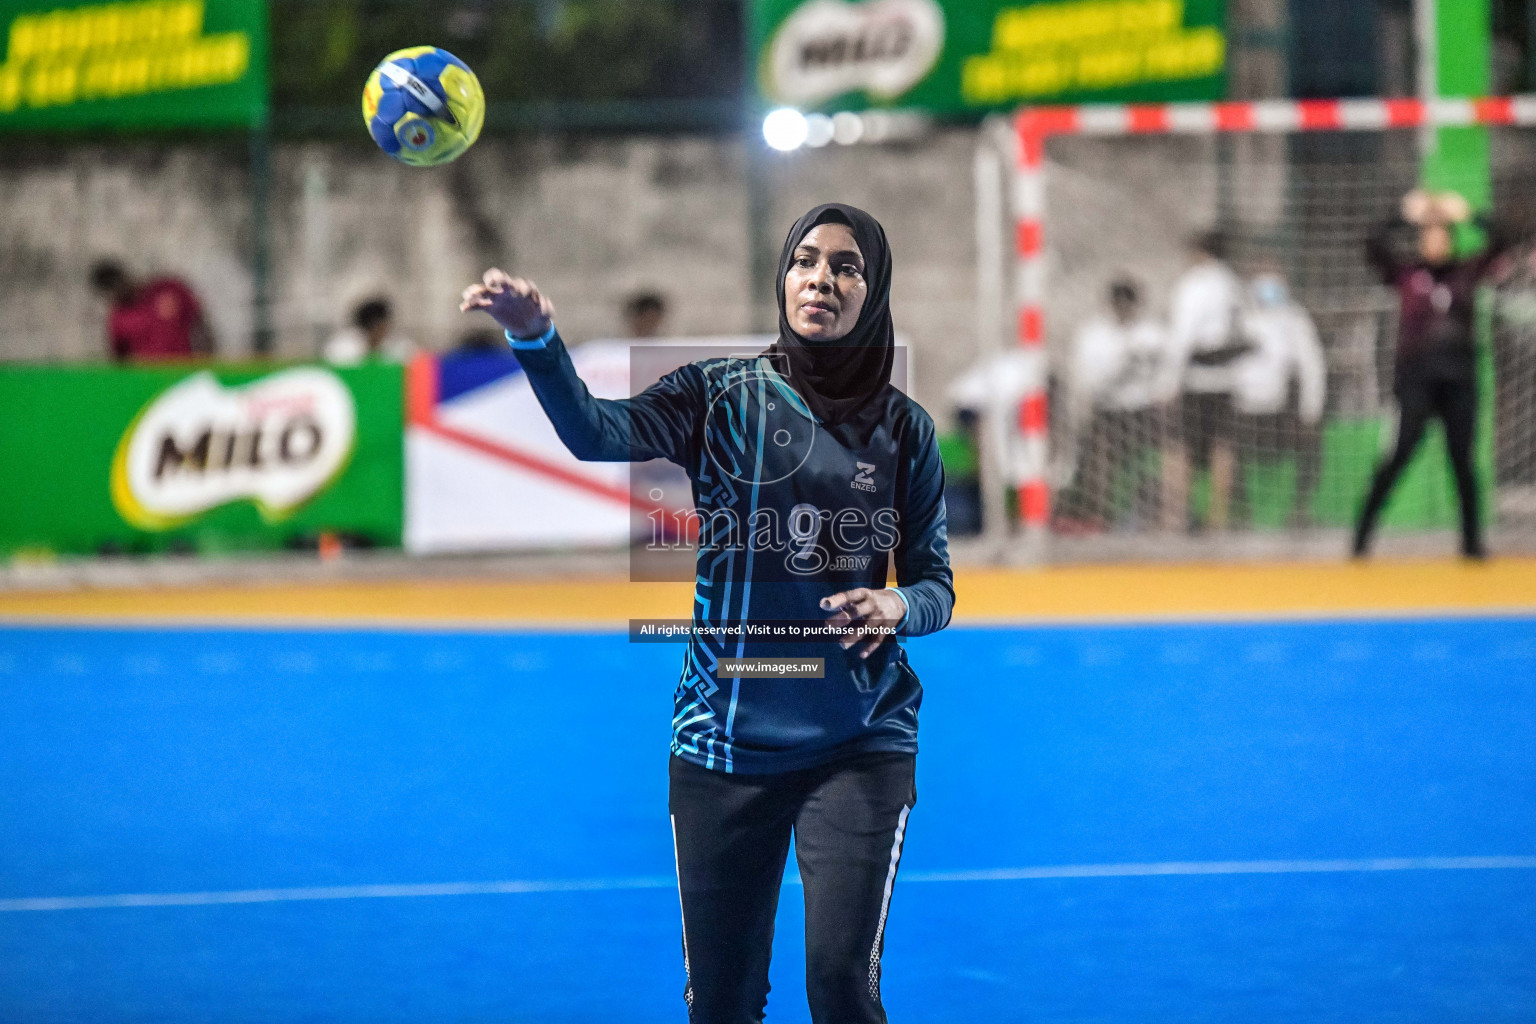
1315,821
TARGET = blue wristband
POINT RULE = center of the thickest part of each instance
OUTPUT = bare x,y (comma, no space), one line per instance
905,604
524,344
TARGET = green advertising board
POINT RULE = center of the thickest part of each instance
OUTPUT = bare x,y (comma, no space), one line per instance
144,459
72,65
965,57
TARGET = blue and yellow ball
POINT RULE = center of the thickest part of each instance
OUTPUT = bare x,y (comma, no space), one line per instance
423,106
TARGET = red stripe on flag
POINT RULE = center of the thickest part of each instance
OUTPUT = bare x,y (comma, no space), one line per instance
1235,117
1319,114
1146,118
1031,326
1500,110
538,465
1035,500
1033,414
1404,113
1027,237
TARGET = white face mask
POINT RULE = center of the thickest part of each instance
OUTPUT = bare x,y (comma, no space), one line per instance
1268,290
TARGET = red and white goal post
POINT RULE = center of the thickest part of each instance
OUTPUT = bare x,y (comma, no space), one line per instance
1034,126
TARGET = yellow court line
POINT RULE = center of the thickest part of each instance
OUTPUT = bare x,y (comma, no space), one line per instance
1022,595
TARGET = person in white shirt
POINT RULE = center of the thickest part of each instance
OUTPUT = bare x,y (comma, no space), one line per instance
1204,342
371,336
1113,401
1280,386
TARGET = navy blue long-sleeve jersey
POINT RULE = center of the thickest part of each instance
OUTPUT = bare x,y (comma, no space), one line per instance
788,515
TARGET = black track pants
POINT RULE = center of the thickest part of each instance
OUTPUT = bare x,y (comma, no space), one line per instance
732,834
1455,402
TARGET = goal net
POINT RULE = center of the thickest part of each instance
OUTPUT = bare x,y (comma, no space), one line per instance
1266,445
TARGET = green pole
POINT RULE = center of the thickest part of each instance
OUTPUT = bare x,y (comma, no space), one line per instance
762,259
1455,38
1462,161
261,237
762,262
1458,158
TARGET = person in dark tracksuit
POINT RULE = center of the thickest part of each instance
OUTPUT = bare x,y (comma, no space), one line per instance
810,472
1436,370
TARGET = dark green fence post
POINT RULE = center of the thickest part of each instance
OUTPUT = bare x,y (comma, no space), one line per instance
262,334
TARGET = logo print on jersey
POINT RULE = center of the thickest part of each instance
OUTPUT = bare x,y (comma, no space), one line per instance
862,479
734,419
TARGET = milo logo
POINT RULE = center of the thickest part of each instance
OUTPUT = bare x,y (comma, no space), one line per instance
277,441
828,48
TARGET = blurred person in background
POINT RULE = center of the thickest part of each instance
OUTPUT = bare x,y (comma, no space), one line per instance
1204,341
155,319
1279,388
817,436
1112,398
645,313
985,399
371,336
1436,367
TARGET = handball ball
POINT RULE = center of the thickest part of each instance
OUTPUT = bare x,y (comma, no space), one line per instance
423,106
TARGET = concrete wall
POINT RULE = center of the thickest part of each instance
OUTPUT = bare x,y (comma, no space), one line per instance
591,221
168,210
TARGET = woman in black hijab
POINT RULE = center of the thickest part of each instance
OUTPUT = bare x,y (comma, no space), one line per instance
842,364
811,475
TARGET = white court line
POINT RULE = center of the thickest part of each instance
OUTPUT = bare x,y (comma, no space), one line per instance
332,892
358,892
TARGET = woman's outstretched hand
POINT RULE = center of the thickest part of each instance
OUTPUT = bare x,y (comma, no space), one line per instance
512,302
876,613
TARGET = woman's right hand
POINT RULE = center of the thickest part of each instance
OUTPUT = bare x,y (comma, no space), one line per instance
512,302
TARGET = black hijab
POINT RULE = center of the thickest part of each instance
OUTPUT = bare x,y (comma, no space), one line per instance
840,379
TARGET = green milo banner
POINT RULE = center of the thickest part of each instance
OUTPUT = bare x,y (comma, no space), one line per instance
69,65
108,459
963,57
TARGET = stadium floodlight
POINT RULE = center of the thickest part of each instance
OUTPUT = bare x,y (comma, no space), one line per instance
818,130
847,127
785,129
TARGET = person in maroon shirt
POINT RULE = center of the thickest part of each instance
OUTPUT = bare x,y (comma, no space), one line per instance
158,319
1436,371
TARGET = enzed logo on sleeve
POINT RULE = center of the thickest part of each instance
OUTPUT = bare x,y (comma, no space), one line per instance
828,47
277,441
